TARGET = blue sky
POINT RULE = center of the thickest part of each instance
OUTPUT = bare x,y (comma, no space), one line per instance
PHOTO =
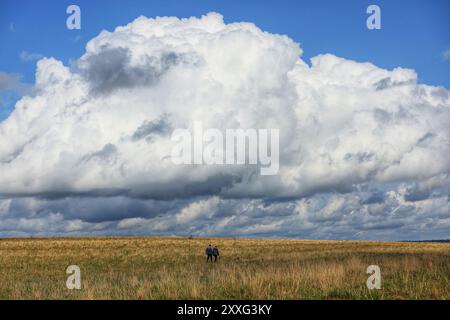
414,33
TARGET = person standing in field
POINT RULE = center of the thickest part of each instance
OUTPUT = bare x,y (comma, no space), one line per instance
215,253
209,253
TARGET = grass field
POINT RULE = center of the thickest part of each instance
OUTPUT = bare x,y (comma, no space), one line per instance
176,268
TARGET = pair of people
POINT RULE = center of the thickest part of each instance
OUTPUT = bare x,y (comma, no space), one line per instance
212,252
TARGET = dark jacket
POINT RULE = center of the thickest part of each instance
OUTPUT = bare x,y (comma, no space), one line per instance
215,251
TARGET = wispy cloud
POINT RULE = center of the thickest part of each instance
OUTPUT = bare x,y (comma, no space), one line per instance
445,55
30,56
11,27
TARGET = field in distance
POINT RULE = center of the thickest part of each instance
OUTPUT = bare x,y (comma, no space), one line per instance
176,268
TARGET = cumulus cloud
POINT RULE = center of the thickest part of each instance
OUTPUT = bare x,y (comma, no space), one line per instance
355,140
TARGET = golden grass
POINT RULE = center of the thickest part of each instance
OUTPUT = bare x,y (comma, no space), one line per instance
176,268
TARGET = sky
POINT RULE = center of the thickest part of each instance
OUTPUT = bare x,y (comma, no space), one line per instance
86,118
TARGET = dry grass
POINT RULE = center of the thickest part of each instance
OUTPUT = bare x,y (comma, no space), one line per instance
175,268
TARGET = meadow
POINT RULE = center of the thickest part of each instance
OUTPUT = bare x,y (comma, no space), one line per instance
176,268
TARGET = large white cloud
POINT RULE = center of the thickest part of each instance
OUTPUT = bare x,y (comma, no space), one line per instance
103,129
